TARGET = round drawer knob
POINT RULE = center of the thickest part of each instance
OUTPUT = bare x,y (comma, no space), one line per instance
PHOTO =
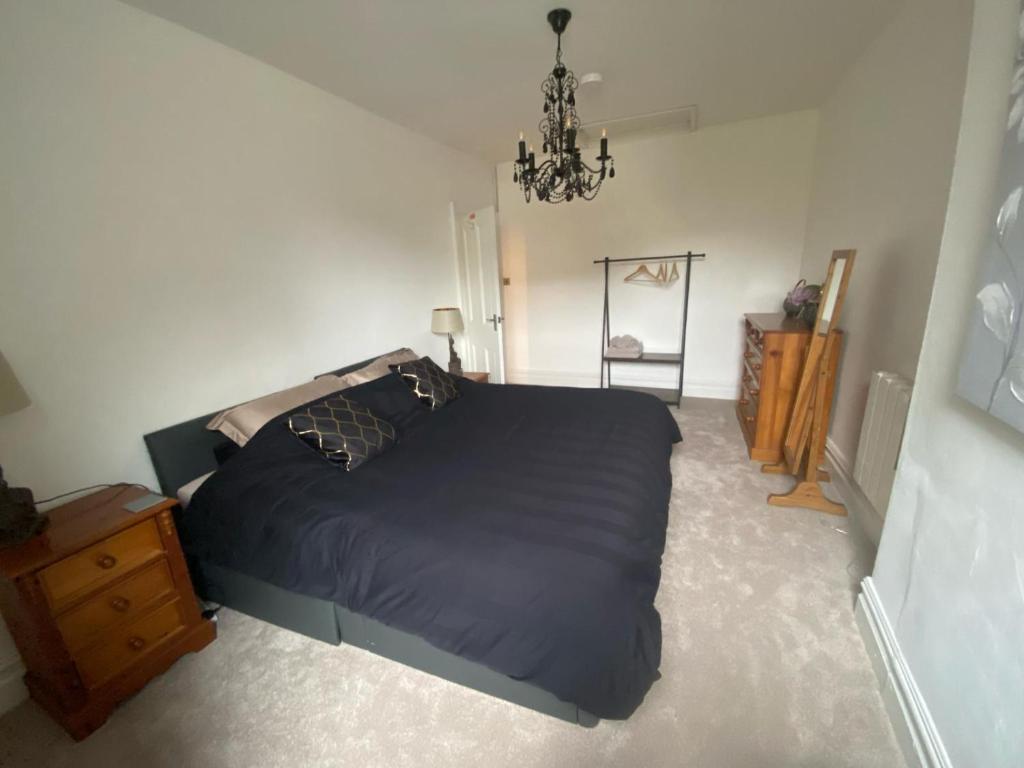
136,643
106,561
121,604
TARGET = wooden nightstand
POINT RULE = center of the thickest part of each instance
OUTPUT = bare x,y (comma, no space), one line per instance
479,376
99,604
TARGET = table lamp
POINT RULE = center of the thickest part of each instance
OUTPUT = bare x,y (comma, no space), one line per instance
448,320
19,520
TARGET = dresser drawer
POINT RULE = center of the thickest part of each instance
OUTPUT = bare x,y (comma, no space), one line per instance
752,351
123,646
748,407
115,605
749,393
754,334
92,568
747,415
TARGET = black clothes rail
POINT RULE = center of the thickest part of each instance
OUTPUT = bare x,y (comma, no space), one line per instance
674,395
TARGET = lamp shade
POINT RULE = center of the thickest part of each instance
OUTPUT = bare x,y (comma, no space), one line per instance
446,320
12,396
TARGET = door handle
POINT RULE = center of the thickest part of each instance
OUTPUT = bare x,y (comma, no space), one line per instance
494,320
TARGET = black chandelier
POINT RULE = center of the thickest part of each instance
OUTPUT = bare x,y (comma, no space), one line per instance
563,175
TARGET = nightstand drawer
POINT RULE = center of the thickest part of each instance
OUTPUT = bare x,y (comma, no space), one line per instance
116,604
85,572
122,647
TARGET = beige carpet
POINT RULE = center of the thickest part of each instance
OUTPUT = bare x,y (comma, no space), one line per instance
762,666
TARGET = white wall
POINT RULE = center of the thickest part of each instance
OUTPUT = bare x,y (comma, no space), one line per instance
737,192
184,228
881,181
950,569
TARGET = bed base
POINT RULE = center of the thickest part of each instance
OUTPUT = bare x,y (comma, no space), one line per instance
185,451
331,623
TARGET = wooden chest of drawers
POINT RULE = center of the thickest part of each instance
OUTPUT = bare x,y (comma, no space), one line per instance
99,604
773,356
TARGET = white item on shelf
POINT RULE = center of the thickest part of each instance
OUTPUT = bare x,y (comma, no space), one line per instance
625,347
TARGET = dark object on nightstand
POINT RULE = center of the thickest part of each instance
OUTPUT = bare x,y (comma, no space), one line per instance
19,520
448,320
99,605
454,362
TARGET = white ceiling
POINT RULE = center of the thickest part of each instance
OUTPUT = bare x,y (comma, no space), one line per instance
468,72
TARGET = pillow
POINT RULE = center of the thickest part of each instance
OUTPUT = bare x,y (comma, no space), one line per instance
186,491
390,399
224,450
243,421
343,431
379,367
428,382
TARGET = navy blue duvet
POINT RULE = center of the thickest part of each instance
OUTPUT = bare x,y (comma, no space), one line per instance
519,527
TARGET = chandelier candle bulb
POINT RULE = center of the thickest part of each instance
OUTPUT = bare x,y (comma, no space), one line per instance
604,143
522,148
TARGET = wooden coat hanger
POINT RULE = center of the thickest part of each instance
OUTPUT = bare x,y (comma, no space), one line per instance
642,275
662,277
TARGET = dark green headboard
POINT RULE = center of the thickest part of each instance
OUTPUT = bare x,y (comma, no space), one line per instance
183,452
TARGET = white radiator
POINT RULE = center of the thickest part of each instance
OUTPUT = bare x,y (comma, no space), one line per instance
881,436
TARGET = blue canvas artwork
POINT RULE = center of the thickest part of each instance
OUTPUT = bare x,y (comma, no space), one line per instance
992,368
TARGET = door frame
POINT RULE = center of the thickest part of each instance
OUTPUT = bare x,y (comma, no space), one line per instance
455,220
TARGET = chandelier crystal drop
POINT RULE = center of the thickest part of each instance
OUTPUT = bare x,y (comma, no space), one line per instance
562,175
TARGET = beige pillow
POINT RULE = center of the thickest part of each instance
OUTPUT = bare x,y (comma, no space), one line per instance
186,491
379,367
243,421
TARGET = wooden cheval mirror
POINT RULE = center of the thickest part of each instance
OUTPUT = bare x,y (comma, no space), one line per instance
804,446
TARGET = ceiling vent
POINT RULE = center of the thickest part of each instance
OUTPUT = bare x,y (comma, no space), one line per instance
682,119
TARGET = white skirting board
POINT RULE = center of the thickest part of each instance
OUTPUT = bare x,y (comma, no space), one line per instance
908,712
714,390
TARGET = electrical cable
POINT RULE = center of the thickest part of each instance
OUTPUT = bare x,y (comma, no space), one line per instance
93,488
77,490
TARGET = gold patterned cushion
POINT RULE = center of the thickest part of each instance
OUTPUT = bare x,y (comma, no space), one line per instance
428,381
343,431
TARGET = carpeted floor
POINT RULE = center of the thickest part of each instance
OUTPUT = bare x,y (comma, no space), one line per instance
762,666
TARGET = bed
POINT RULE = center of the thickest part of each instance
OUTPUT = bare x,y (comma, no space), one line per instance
511,541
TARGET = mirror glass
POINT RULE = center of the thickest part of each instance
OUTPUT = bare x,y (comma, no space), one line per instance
829,304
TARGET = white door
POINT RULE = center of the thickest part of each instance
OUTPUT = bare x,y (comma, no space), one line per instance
479,272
